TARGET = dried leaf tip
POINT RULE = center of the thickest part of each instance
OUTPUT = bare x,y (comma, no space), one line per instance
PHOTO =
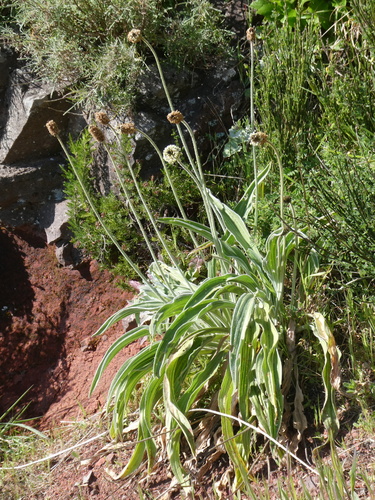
258,138
127,128
97,133
175,117
134,36
52,128
102,117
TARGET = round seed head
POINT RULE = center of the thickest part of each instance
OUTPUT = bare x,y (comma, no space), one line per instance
97,133
127,128
250,34
258,138
171,154
102,118
134,36
175,117
52,128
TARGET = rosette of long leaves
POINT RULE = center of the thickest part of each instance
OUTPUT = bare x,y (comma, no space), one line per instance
215,342
220,338
223,332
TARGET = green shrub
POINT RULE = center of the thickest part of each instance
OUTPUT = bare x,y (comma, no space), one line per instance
90,236
227,338
82,45
289,59
320,12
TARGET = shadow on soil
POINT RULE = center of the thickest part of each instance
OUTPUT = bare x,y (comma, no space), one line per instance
31,342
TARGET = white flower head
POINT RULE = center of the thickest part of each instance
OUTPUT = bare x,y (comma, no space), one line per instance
171,154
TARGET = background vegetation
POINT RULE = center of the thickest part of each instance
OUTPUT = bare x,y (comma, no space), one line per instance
81,46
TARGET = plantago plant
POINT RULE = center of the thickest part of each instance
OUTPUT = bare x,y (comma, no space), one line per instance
218,342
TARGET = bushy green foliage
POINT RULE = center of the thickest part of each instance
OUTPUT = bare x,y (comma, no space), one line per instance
82,45
289,59
89,234
316,99
320,12
341,191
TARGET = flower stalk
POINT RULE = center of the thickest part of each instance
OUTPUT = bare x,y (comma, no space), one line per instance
176,117
251,37
54,131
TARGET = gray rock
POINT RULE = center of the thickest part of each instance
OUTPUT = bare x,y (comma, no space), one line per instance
55,222
30,158
25,189
29,105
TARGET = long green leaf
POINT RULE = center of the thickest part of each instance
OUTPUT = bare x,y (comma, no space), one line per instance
170,390
238,256
207,288
269,372
196,227
135,461
125,381
172,308
151,394
128,311
123,341
278,248
146,443
233,222
225,406
242,315
184,321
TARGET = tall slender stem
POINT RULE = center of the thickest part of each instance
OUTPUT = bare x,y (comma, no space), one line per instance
101,221
140,225
171,183
252,120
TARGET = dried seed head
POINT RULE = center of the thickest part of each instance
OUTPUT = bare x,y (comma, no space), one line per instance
258,138
127,128
171,154
287,199
102,118
97,133
52,128
250,34
134,36
175,117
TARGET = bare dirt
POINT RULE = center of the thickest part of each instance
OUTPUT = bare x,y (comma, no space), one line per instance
47,317
48,314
